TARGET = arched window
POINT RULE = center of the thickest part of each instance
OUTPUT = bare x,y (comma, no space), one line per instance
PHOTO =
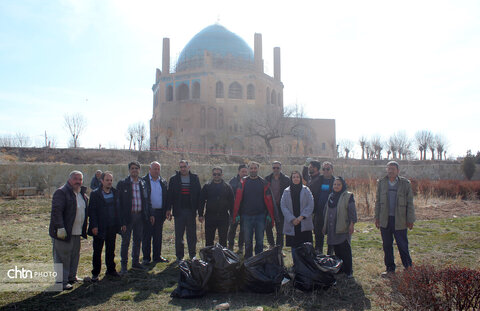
212,118
202,117
182,92
196,90
280,99
250,91
220,118
219,90
235,91
169,93
274,97
268,96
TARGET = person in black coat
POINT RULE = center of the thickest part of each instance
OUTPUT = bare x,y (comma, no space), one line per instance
104,224
278,183
232,230
157,193
183,195
216,198
68,222
134,207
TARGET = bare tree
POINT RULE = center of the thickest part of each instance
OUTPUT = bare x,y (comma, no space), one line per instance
140,135
130,135
273,123
75,124
441,144
392,146
432,145
363,143
376,147
22,140
6,141
347,146
423,139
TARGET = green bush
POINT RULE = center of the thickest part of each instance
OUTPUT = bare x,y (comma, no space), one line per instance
468,165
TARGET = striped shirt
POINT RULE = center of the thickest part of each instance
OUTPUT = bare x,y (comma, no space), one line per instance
136,198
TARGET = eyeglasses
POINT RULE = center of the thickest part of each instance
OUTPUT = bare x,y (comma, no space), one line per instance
183,167
325,169
275,167
217,174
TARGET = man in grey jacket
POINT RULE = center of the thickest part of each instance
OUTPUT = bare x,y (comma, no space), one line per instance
394,213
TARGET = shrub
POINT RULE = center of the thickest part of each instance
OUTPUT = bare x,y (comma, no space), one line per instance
425,287
468,166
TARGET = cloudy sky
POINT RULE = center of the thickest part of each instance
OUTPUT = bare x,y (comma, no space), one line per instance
377,67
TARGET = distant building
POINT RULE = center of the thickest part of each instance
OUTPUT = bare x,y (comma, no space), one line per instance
209,100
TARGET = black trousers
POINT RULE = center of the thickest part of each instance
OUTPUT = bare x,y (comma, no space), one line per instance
278,228
185,220
318,219
110,237
344,252
232,231
212,224
154,233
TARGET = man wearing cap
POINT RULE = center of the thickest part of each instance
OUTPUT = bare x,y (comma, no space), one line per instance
394,213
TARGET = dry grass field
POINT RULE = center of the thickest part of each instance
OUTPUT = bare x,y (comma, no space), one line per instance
447,232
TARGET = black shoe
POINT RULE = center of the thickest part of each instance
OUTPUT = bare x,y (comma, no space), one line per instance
68,286
146,262
138,266
114,274
161,259
387,274
76,280
94,278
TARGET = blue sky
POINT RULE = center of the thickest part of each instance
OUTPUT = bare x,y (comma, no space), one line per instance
377,67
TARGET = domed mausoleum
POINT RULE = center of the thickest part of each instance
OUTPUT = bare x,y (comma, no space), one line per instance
217,98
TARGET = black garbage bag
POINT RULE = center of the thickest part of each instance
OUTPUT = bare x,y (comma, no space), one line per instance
313,271
264,272
226,268
194,277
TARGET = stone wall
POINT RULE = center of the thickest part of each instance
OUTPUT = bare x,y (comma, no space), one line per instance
47,169
48,176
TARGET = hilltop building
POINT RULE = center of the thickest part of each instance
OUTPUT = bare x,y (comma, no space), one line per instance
217,96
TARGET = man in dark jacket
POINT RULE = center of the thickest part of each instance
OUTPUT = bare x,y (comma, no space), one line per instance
218,197
67,223
183,195
96,181
157,193
232,230
255,207
104,224
134,208
278,182
321,186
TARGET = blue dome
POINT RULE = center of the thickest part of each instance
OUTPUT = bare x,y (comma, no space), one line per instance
219,41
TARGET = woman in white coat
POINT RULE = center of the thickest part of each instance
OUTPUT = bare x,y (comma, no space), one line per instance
297,209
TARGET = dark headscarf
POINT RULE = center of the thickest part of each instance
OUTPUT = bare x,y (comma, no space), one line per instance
295,194
335,196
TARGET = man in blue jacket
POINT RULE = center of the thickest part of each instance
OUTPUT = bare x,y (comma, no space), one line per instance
104,224
67,223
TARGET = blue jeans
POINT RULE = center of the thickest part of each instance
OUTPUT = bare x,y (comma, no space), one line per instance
253,224
402,243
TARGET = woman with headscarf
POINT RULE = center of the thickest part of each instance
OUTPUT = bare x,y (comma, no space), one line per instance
297,209
340,219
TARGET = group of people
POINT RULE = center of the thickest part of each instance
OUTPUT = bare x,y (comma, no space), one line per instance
300,207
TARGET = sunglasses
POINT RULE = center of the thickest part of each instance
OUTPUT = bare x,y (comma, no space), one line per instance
217,174
276,167
326,169
183,167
